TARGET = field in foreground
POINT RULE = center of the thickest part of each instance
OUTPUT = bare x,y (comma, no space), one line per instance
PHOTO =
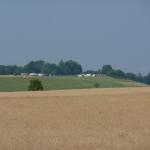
12,84
94,119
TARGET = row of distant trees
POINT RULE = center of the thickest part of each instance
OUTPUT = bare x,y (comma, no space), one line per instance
117,73
69,67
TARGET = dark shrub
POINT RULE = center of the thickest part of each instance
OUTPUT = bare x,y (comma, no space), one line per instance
35,85
96,85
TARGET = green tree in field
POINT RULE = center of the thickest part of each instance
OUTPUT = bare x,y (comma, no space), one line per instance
35,85
96,85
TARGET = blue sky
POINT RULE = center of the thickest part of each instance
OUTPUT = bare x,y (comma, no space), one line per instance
93,32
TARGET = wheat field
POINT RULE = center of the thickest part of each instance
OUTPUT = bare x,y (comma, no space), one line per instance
90,119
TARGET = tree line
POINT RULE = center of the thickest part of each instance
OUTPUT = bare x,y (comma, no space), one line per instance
69,67
117,73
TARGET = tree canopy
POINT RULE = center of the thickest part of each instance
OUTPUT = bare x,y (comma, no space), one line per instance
69,67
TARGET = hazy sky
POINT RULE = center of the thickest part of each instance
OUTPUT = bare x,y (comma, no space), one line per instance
92,32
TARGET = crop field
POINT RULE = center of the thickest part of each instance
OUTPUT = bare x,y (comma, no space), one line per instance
87,119
12,84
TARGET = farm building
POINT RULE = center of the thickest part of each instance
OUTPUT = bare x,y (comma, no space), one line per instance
33,74
86,75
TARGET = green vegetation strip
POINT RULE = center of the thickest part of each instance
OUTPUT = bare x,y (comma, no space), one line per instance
12,84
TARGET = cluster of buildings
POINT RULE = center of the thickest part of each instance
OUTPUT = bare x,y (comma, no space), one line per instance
34,74
86,75
45,75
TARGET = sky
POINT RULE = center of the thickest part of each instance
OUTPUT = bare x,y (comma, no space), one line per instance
92,32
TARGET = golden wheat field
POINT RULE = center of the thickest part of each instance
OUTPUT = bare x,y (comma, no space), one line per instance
90,119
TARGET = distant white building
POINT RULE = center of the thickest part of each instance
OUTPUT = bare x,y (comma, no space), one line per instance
41,75
33,74
86,75
80,75
93,75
